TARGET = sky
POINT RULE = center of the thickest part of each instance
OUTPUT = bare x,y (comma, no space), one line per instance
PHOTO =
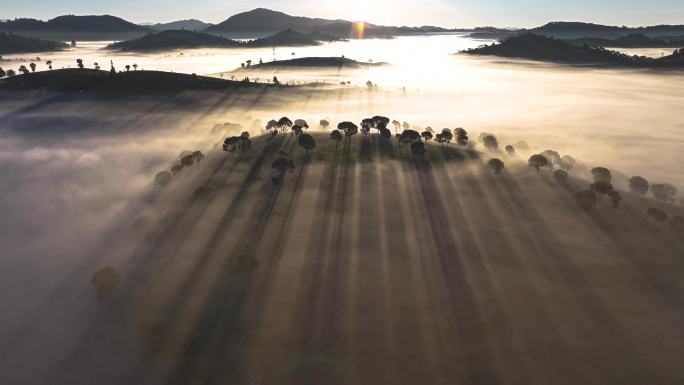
446,13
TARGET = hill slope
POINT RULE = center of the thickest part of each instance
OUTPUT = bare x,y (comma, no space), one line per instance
541,48
189,24
71,23
371,266
10,44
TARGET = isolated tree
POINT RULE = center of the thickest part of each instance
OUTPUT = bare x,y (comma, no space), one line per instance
350,129
638,185
567,162
602,187
409,136
538,161
418,148
135,66
105,281
79,63
11,73
230,144
369,84
427,135
461,137
601,174
553,157
336,136
396,125
187,160
162,178
366,125
96,65
272,125
33,67
23,69
302,123
561,176
657,215
176,168
128,67
307,142
49,64
586,199
490,142
510,150
663,192
496,165
284,123
324,124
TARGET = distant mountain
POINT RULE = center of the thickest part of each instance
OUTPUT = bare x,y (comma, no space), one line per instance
10,43
635,40
542,48
190,25
183,39
261,20
569,30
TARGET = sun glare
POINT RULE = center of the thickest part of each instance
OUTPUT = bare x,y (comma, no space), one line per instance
359,28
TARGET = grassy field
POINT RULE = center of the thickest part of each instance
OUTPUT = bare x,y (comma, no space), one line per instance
372,266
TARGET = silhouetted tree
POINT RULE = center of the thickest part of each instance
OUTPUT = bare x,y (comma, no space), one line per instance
96,65
284,123
496,165
538,161
187,160
199,156
302,123
49,64
380,122
444,137
409,136
657,215
2,73
336,136
281,165
427,135
128,67
386,133
490,142
23,69
350,129
162,178
272,125
601,174
135,67
33,67
638,185
586,199
553,157
567,162
79,63
230,144
602,187
418,148
510,150
307,142
11,73
663,192
176,168
324,124
561,176
396,125
296,130
461,137
615,198
105,281
366,125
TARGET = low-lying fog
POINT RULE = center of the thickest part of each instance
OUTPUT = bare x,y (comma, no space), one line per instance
72,164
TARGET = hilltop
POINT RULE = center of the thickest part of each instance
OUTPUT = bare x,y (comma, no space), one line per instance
541,48
635,40
315,62
182,39
189,24
569,30
10,43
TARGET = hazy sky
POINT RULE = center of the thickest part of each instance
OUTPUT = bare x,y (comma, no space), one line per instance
452,13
